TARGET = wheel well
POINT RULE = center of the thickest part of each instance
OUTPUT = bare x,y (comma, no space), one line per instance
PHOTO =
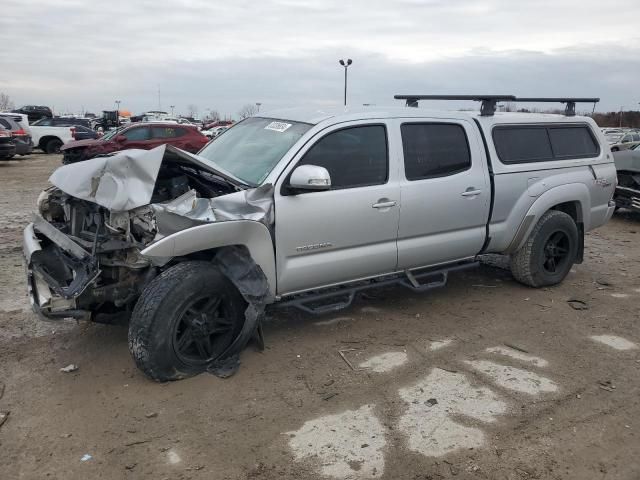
44,140
570,208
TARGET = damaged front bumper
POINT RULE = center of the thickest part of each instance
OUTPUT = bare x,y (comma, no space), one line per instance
50,297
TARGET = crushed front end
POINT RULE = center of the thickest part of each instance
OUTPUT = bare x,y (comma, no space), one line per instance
82,250
84,261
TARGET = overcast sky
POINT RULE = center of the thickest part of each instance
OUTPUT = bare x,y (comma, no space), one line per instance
74,54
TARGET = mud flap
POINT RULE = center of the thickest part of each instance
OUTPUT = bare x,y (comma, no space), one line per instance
238,266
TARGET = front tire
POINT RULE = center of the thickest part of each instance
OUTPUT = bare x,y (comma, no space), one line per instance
185,318
549,253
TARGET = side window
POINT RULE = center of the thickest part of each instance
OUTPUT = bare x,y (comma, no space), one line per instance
434,150
572,142
5,124
167,132
44,122
354,157
636,137
522,144
137,134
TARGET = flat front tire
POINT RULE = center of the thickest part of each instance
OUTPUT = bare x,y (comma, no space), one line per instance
549,253
185,318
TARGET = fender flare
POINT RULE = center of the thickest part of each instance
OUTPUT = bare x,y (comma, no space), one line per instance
571,192
255,236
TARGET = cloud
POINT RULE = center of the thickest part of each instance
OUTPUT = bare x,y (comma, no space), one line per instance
221,55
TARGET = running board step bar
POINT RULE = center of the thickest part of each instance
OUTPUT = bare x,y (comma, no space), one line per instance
318,303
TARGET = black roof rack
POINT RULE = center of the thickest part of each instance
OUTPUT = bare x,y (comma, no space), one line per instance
487,108
489,102
570,107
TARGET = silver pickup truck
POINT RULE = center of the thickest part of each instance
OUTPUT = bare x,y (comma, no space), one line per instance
306,208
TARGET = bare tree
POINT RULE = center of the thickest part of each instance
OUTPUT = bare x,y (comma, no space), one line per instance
5,102
248,110
214,115
192,110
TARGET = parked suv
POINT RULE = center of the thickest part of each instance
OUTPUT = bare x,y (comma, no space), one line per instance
7,145
34,112
143,136
306,208
21,137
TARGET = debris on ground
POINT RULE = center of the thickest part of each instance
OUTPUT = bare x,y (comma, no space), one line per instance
3,417
578,304
151,414
86,457
72,367
607,385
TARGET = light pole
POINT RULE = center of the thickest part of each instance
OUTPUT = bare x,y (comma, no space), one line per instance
172,107
258,106
117,113
621,115
346,66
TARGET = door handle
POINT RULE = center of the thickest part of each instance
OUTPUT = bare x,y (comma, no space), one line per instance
384,204
471,192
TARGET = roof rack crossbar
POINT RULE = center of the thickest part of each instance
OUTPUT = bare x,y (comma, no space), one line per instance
570,102
487,108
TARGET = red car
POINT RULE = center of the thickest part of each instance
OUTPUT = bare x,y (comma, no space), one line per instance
139,135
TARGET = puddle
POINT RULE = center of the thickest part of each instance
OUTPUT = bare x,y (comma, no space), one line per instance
429,428
513,378
517,355
438,344
612,341
385,362
348,445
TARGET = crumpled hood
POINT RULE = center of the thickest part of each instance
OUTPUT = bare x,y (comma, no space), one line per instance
119,182
126,180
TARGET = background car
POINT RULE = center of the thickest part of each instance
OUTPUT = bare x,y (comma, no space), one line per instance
215,131
144,136
21,137
79,132
62,122
625,141
34,112
7,147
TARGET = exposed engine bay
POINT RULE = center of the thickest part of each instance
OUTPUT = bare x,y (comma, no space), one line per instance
84,259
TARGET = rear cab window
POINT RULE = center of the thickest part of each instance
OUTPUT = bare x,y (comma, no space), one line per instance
542,143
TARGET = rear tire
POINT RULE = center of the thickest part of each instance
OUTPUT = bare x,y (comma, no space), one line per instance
185,318
53,146
549,253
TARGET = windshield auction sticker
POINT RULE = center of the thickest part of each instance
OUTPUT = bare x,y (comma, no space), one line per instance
277,126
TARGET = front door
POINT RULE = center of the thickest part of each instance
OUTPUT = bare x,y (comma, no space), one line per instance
350,231
445,193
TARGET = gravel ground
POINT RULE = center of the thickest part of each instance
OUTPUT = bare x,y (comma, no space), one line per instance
483,379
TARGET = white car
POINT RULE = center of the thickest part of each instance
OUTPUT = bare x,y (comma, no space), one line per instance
215,131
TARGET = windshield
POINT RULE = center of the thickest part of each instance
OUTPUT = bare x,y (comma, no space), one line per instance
253,147
111,133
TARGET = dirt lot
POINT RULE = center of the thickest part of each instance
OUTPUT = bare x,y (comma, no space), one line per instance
434,389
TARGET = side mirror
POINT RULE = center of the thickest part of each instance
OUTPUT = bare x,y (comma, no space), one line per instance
310,177
120,138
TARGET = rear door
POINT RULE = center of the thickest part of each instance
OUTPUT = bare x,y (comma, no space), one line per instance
445,192
348,232
137,137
